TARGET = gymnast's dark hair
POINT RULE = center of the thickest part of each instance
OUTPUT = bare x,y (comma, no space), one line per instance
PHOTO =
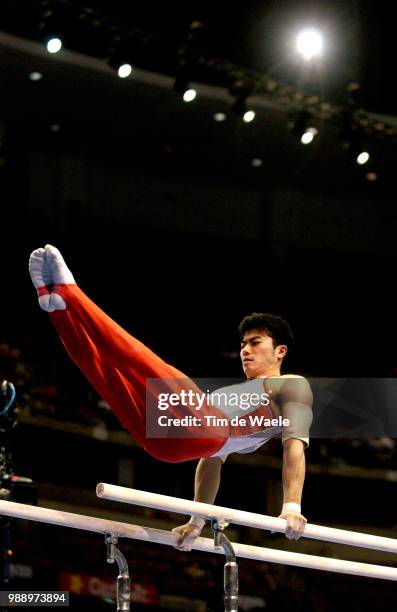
275,326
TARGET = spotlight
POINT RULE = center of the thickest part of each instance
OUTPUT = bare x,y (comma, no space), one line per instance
182,88
249,116
309,43
219,117
308,135
352,142
121,66
189,95
54,45
35,76
362,158
120,60
257,162
124,71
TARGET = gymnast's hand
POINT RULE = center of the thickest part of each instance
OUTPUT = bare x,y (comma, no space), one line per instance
296,524
188,533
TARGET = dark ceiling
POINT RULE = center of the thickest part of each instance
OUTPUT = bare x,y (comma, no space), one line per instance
150,120
257,34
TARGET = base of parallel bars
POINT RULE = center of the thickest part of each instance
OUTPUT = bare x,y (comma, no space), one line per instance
230,569
123,579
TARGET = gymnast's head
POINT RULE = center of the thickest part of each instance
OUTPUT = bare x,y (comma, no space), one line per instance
264,341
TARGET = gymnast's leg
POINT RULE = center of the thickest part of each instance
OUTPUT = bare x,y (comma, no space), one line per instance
114,362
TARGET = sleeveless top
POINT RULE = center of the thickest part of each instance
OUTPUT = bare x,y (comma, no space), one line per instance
251,441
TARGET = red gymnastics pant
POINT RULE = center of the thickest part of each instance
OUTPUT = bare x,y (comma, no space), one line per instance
118,366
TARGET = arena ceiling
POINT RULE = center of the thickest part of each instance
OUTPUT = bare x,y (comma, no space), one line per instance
239,43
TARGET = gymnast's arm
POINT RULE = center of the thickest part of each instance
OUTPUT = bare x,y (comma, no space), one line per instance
294,467
206,484
296,404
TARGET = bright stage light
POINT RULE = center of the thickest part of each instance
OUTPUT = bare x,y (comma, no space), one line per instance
309,43
249,116
189,95
219,117
362,158
54,45
35,76
308,136
124,71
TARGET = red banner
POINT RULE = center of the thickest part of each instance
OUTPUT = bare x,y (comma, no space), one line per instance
105,588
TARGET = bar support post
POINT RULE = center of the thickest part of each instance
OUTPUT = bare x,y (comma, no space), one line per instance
230,569
123,579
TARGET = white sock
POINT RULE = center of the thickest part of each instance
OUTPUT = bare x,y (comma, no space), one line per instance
61,275
45,272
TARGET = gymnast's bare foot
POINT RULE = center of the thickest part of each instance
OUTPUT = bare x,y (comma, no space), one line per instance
47,268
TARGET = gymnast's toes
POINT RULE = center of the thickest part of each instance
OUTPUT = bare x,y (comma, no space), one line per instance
60,272
39,270
43,279
51,301
57,302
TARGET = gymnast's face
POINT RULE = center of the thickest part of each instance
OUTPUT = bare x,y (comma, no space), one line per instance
258,355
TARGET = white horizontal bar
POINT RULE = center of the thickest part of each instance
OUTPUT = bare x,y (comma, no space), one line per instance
240,517
157,536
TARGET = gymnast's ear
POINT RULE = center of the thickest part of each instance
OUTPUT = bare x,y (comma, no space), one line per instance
281,350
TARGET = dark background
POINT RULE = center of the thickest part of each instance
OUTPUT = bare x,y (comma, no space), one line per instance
169,227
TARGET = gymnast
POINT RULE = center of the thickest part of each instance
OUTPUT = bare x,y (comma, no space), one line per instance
120,368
